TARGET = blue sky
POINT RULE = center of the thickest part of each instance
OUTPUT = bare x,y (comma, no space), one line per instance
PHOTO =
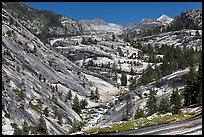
116,12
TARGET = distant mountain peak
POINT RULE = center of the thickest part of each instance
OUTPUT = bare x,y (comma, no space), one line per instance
94,21
146,20
165,19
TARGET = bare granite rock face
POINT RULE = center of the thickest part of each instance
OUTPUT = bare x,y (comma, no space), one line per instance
36,77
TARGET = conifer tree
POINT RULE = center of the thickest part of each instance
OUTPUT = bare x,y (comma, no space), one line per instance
45,111
25,130
41,126
197,33
96,93
164,105
115,77
193,90
83,103
17,131
151,103
76,105
123,79
113,37
139,113
69,95
175,102
92,97
132,71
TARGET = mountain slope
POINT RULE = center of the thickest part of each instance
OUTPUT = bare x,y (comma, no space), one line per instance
41,22
98,26
191,19
35,78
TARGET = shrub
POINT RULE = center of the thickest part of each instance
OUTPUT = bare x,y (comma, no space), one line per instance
7,115
76,126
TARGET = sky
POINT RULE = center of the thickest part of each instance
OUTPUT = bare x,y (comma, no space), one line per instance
116,12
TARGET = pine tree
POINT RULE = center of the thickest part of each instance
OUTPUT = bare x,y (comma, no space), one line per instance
45,111
164,105
199,97
83,41
89,40
124,116
151,103
54,99
199,81
40,77
115,77
123,79
192,92
41,126
69,95
83,103
76,105
76,126
17,131
175,102
90,63
139,113
131,86
132,72
197,33
120,52
25,130
113,37
92,97
56,88
96,93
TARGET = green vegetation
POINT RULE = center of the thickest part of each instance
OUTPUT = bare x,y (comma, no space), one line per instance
120,52
95,95
37,107
45,111
76,126
41,126
83,103
164,105
25,130
132,72
11,33
52,63
193,90
7,115
151,104
150,32
174,58
115,77
32,129
57,114
175,101
89,41
76,105
17,131
123,79
139,113
113,37
19,93
90,63
68,96
137,123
